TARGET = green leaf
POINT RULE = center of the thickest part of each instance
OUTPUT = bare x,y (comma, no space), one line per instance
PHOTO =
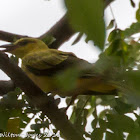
133,29
104,112
36,127
92,105
4,116
15,113
85,113
120,123
86,16
73,116
137,121
10,100
115,35
135,135
132,87
66,81
114,47
133,80
111,24
97,134
77,38
112,136
122,107
138,14
103,124
13,125
94,123
133,4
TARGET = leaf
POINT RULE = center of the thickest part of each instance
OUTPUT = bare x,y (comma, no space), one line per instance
94,123
78,120
133,79
97,134
133,29
137,121
74,115
133,4
85,113
138,14
115,35
13,125
10,100
122,107
135,135
106,63
16,113
4,116
111,24
104,112
36,127
66,81
103,124
132,89
120,123
77,38
92,105
86,16
114,47
112,136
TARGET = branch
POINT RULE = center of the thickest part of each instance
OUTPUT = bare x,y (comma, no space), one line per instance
39,99
61,31
10,37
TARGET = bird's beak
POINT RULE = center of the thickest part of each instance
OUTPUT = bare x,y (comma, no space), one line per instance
8,47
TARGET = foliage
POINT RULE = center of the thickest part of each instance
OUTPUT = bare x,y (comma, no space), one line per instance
88,21
119,62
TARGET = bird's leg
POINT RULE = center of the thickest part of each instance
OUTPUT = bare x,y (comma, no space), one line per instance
71,101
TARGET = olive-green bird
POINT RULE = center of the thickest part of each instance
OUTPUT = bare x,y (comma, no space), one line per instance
52,70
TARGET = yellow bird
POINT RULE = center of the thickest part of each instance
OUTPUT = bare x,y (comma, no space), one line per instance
58,72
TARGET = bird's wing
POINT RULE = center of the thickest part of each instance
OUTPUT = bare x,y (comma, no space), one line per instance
52,61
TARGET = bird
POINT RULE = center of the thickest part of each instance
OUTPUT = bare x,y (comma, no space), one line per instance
57,72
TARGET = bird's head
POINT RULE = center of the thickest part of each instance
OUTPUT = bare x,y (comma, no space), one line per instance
24,46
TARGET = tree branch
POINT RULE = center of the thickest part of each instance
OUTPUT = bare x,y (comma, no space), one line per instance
10,37
39,99
61,31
